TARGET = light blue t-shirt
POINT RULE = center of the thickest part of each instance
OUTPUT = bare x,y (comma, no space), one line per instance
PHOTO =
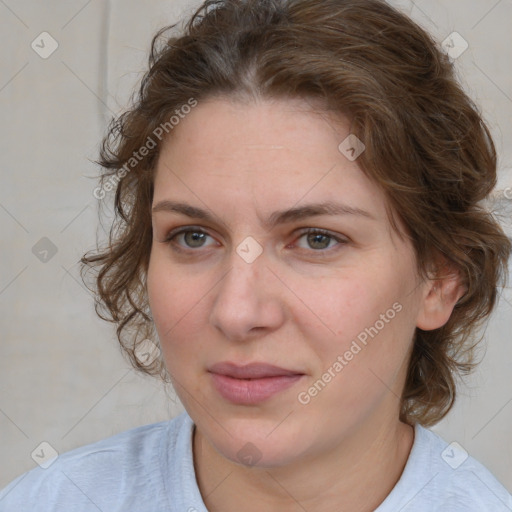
150,469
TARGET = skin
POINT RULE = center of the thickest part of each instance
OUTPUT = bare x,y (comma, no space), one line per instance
296,305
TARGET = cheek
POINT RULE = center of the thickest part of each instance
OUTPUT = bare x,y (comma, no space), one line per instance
171,298
344,307
370,321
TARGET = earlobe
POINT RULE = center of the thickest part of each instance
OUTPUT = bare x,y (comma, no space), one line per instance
441,295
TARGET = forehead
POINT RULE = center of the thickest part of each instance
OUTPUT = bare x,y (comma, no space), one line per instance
261,154
286,125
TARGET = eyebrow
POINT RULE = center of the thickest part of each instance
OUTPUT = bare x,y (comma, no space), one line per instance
276,218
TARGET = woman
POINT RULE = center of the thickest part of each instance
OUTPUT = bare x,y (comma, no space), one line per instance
298,192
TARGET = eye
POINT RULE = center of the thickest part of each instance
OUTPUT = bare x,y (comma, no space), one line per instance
188,238
319,239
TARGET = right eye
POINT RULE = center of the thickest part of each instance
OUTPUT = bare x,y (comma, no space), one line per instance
187,238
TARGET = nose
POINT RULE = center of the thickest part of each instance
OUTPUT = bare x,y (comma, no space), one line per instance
247,303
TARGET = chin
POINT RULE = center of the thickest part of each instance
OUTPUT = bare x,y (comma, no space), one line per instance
254,443
257,455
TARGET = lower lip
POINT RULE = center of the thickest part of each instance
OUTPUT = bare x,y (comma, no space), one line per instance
253,391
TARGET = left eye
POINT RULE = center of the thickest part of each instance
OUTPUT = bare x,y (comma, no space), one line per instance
319,240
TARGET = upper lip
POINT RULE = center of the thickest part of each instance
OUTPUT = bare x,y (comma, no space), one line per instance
251,370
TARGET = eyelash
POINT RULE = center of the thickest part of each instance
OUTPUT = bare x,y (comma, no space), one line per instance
170,238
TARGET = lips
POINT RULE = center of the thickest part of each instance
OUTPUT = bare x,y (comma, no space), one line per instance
252,383
251,371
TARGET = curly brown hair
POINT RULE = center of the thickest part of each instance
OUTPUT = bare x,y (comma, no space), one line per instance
427,147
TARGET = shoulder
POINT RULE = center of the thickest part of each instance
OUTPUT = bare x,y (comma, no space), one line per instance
443,476
102,475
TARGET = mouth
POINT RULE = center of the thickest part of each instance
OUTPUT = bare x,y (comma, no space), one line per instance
252,383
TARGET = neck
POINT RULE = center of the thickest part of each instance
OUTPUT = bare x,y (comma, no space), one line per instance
355,475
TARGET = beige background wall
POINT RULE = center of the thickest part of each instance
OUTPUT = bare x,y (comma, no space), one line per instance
62,378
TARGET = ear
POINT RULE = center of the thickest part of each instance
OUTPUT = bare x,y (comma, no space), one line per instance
442,292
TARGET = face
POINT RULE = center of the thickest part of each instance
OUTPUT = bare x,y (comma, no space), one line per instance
271,246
